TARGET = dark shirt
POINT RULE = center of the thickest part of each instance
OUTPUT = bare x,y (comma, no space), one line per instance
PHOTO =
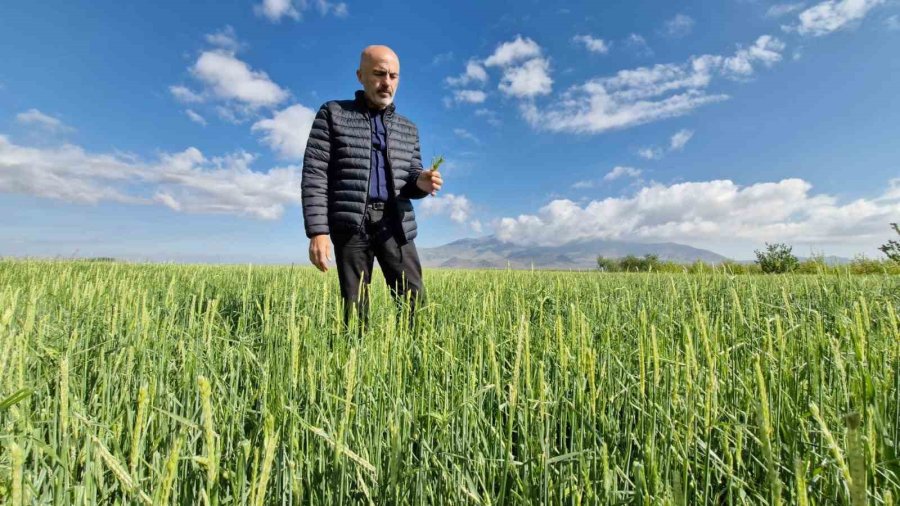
378,187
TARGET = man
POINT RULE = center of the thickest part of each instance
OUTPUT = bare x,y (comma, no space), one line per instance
361,168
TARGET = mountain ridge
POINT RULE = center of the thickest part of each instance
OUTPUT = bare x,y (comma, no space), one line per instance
491,252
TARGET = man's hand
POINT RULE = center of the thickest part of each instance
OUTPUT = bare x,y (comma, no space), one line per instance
320,251
429,181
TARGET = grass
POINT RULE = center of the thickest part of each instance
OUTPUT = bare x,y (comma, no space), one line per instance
145,384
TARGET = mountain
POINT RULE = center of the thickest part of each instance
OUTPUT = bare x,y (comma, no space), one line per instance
490,252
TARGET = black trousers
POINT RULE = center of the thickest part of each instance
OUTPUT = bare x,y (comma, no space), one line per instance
399,261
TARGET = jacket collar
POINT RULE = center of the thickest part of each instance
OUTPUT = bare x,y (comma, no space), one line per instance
360,98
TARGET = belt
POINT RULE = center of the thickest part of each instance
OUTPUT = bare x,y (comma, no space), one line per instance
377,205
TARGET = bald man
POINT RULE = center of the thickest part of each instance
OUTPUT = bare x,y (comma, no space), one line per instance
361,168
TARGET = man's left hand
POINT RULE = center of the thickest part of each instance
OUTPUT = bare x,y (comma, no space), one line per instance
429,181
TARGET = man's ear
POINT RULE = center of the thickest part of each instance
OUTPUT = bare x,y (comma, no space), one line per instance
359,76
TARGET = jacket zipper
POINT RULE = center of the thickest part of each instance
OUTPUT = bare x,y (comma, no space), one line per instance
362,221
389,184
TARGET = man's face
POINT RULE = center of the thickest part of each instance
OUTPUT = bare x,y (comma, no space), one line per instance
380,77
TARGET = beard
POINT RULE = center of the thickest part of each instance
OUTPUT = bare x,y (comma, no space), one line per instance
381,100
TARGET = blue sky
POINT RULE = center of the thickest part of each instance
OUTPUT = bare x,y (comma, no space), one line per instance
175,130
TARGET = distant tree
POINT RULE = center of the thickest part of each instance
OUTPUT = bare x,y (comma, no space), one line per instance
631,263
607,264
776,259
892,248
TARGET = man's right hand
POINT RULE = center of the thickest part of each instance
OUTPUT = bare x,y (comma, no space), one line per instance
320,251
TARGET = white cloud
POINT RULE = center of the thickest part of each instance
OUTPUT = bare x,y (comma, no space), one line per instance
196,118
617,172
185,95
593,44
650,153
831,15
892,22
527,80
717,211
680,139
679,26
462,133
779,10
469,96
489,115
638,44
275,10
526,73
339,9
474,73
620,171
585,184
676,143
229,78
645,94
185,181
513,51
442,58
34,117
457,207
225,39
766,50
287,131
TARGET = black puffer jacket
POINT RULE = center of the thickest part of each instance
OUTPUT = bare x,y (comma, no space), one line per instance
336,167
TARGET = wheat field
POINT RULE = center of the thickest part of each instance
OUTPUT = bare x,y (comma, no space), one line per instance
189,384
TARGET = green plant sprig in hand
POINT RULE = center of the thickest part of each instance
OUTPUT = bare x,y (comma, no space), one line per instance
436,162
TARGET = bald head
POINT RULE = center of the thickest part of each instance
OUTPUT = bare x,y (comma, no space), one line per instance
379,73
374,54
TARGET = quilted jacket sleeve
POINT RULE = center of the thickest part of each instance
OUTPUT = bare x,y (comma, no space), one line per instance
314,186
411,191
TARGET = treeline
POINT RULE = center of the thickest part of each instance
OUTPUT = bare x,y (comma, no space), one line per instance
776,258
813,265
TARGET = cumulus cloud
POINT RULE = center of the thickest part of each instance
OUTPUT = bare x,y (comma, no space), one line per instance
474,73
457,207
592,44
287,131
276,10
679,26
229,78
711,211
513,51
225,38
766,50
530,79
831,15
36,118
469,96
186,181
236,92
645,94
525,73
